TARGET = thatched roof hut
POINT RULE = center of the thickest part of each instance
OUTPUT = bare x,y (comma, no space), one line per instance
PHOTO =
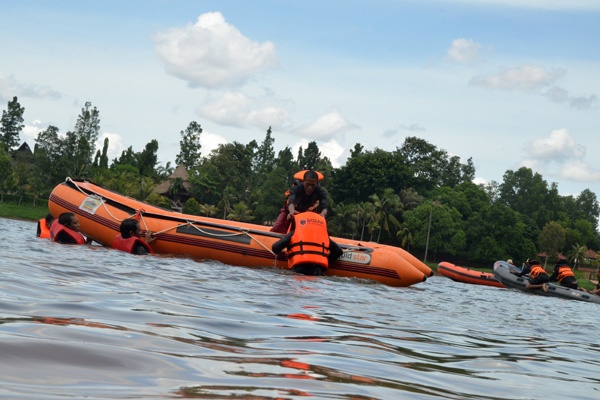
180,172
177,199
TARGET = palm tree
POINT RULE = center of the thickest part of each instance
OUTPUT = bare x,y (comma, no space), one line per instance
240,212
406,237
229,196
365,213
209,210
385,207
344,219
164,172
577,255
410,198
145,189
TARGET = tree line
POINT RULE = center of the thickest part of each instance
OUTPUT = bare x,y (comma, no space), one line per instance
417,196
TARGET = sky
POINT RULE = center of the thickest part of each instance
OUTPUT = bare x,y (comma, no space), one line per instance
508,83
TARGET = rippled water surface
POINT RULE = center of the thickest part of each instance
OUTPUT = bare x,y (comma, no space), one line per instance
94,323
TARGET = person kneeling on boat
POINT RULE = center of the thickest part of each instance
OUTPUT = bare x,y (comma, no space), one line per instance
306,194
43,226
309,248
66,230
564,275
129,240
538,276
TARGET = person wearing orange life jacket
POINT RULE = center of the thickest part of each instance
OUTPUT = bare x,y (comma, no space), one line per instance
564,275
43,226
538,276
305,195
66,230
309,247
129,240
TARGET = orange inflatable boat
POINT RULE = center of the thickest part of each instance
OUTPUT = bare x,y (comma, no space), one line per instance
100,212
465,275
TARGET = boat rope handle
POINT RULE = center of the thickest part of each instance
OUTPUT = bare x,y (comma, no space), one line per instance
103,203
191,223
242,232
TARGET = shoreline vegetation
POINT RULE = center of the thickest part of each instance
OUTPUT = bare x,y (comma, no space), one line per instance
28,212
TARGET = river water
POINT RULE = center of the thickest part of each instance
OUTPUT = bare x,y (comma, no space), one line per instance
89,322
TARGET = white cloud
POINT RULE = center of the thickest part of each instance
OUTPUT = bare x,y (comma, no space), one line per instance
209,142
412,128
237,109
464,50
480,181
330,149
10,87
334,151
327,126
212,53
528,78
30,132
579,171
582,102
559,146
560,95
115,145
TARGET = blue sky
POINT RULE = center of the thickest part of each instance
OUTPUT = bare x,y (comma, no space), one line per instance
509,83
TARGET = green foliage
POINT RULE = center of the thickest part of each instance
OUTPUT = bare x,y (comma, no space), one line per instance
192,207
240,212
24,210
264,159
552,239
189,146
5,169
158,200
11,125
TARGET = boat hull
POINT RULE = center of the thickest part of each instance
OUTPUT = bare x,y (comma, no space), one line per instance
465,275
100,212
503,274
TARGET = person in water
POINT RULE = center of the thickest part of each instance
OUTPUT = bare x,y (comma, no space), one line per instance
564,275
129,240
310,250
306,195
66,230
43,226
538,276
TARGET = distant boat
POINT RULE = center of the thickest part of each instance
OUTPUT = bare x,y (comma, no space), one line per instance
502,272
100,212
465,275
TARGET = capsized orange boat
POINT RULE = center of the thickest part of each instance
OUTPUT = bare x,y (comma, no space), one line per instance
465,275
100,212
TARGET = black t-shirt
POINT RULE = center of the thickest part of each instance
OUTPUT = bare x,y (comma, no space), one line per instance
302,202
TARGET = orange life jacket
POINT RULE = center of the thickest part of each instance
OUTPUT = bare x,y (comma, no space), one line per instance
309,243
128,244
563,272
43,229
536,270
56,229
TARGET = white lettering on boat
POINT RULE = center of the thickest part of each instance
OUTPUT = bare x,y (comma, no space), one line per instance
358,258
